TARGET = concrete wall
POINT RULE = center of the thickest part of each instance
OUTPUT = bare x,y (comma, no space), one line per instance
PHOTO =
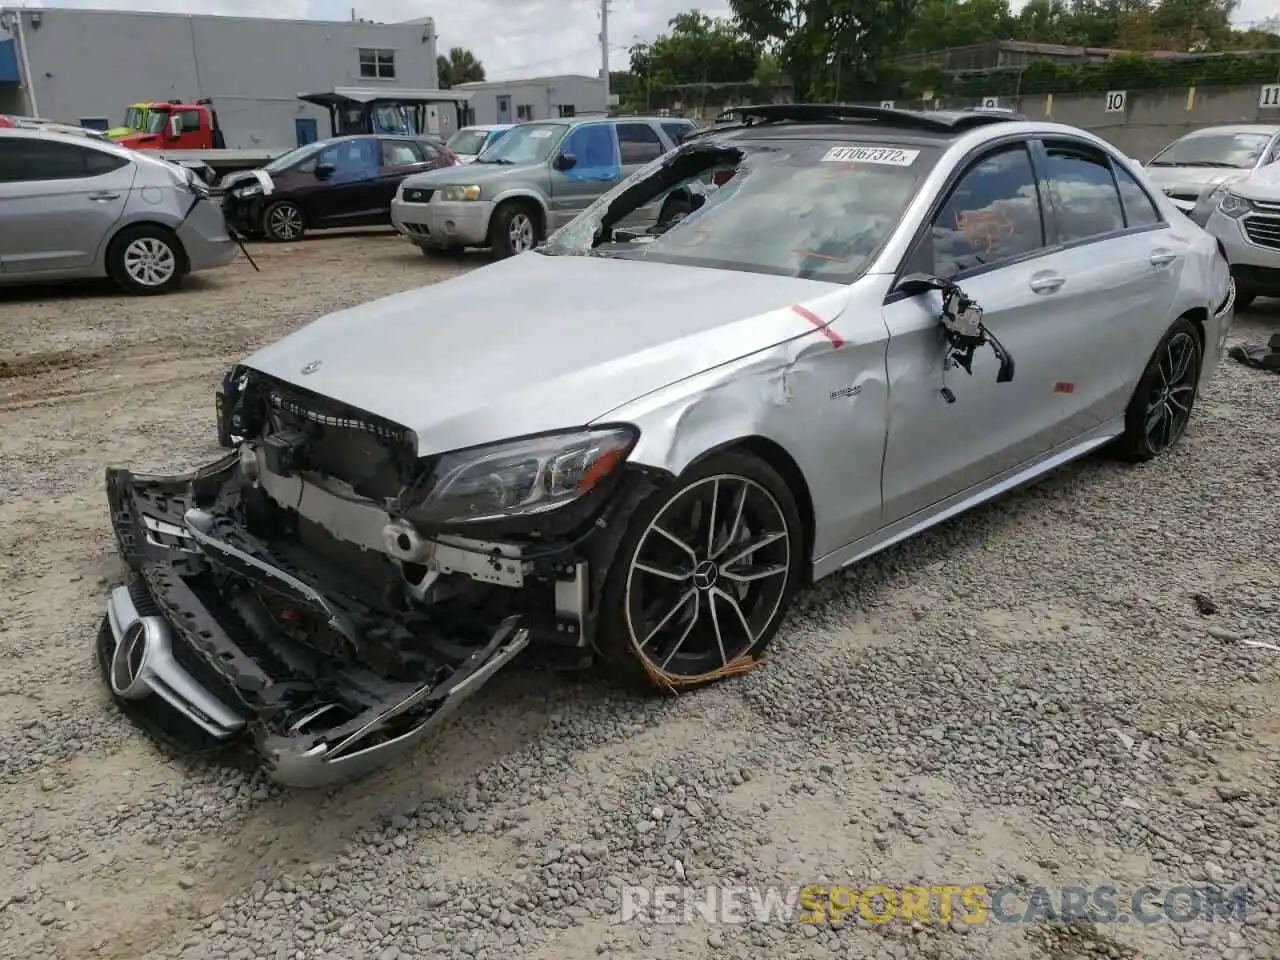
87,63
1150,119
544,95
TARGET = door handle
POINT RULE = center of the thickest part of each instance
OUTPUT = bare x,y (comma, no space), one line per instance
1162,258
104,196
1049,284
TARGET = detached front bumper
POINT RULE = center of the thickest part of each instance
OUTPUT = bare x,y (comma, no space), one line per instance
184,638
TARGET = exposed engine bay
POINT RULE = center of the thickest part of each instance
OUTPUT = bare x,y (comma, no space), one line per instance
316,589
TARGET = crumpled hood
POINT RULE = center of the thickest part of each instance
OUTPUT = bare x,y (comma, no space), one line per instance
1262,184
537,343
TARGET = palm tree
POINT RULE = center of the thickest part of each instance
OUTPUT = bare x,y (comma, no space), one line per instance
460,66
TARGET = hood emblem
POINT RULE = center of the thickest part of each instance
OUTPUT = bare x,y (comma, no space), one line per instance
311,367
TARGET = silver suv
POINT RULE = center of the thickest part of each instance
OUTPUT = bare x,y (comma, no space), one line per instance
72,207
537,178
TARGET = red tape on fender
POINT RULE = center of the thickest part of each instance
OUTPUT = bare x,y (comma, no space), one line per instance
820,325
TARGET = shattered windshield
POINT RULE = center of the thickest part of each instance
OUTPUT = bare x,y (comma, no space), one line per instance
1239,150
811,209
527,143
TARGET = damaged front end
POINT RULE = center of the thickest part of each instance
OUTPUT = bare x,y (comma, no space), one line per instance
332,598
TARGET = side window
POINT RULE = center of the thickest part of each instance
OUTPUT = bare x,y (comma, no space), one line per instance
638,143
678,132
400,153
1085,200
97,163
992,214
353,161
596,149
190,121
31,160
1139,211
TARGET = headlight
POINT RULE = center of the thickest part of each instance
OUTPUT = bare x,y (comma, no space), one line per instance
460,193
522,477
1232,205
252,190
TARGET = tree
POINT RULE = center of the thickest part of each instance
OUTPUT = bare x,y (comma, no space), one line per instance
827,46
460,66
698,50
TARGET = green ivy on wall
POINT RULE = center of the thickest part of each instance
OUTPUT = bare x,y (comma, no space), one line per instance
1125,72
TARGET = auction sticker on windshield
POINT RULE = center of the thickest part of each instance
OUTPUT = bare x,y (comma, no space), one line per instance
539,134
885,156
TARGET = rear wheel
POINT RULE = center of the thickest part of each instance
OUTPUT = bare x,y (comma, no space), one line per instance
1161,406
702,577
283,222
145,260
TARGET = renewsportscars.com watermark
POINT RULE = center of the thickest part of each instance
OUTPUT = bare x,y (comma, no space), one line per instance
974,904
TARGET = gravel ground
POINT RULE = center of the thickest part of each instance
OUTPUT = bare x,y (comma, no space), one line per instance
1031,694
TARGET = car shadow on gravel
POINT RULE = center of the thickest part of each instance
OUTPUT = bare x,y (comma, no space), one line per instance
98,288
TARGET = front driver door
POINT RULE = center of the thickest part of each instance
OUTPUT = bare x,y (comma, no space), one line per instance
598,167
989,237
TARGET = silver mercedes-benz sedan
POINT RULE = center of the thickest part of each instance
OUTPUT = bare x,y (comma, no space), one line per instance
631,446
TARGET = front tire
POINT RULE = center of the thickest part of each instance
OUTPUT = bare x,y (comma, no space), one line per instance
145,260
283,222
515,229
1161,407
702,577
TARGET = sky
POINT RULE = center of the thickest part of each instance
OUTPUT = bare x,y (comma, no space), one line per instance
512,38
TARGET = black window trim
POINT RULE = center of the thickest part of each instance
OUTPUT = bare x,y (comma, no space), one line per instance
1086,146
1035,147
975,156
84,151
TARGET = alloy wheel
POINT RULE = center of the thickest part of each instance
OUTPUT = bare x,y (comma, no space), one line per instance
150,262
520,230
1169,406
286,222
707,578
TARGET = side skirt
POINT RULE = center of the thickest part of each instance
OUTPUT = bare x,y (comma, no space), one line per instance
922,520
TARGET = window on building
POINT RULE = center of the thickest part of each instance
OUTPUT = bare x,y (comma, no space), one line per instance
638,143
524,111
377,64
566,110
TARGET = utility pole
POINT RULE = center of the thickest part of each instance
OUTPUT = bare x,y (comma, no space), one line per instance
604,49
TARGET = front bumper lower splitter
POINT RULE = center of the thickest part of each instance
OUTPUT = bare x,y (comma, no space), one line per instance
159,638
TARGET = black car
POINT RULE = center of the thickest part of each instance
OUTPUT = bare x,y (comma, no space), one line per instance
341,182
